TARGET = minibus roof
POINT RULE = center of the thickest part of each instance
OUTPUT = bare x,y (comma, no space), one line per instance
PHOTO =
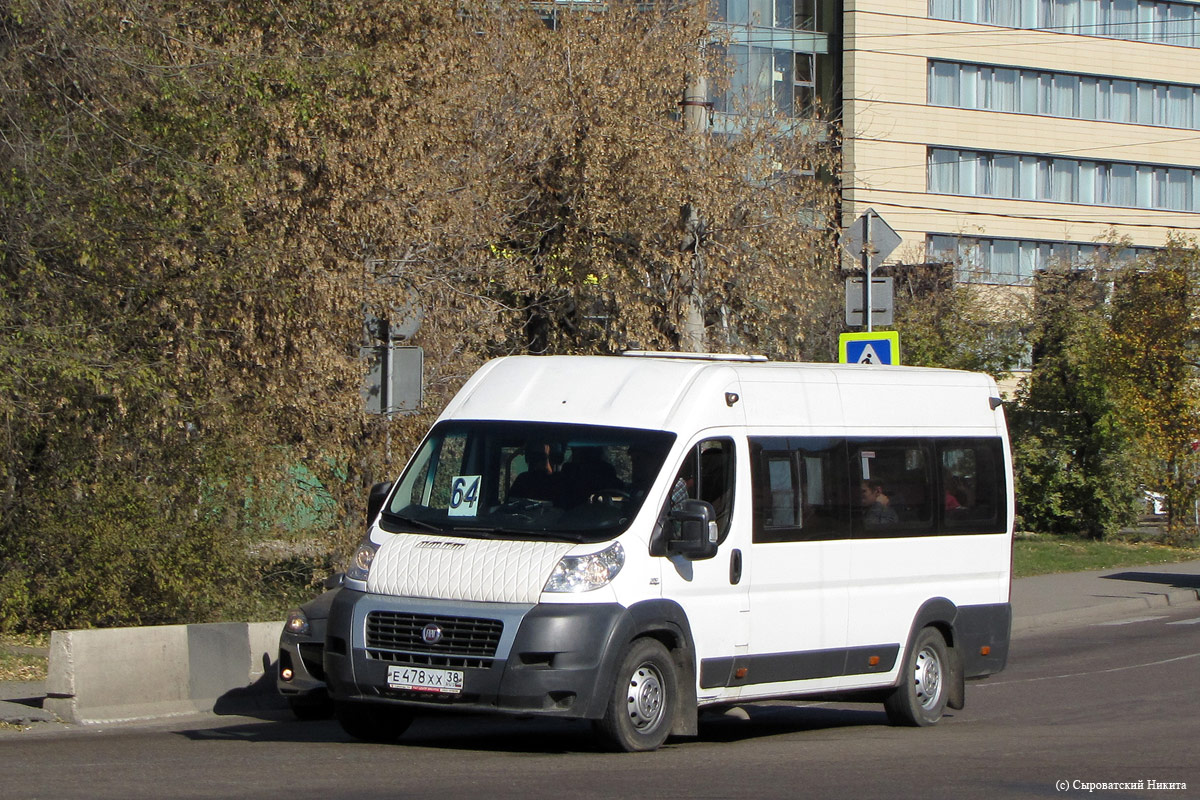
684,392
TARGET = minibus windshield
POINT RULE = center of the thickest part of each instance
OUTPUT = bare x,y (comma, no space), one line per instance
576,483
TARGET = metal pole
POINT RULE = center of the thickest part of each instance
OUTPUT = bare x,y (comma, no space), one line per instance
866,264
695,123
386,370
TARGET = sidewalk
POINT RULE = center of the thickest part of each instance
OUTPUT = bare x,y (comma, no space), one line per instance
1038,603
1081,597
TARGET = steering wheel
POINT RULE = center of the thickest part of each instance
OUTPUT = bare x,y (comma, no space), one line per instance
610,498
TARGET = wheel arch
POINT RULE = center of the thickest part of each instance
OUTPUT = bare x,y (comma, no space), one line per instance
666,621
941,614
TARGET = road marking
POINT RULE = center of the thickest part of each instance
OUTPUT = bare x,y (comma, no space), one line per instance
1195,621
1130,621
1093,672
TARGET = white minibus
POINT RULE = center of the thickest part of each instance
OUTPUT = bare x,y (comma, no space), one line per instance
633,539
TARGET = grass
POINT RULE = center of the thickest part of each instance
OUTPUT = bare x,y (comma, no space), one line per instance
1039,554
22,667
17,663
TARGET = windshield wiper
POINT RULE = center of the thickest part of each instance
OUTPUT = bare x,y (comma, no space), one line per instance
488,532
510,533
416,523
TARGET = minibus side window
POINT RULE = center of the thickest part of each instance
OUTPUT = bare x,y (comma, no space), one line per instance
707,474
895,484
973,486
783,484
799,489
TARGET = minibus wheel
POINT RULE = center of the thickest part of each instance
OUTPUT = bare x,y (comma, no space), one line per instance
921,697
641,708
308,708
371,722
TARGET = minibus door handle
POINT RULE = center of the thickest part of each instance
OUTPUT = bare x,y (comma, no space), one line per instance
735,567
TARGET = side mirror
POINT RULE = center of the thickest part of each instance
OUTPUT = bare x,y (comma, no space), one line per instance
376,499
695,531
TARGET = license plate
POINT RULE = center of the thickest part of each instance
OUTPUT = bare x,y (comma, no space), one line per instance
416,679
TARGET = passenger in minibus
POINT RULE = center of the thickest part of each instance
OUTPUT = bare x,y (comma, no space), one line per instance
877,510
588,473
642,468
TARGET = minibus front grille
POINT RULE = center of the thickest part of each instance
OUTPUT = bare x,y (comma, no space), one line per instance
420,660
404,632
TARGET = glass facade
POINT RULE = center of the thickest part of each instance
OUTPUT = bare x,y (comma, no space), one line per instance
798,15
772,46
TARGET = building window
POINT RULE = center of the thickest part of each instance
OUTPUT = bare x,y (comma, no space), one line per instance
1052,94
765,82
1133,20
787,14
1016,176
1014,261
772,71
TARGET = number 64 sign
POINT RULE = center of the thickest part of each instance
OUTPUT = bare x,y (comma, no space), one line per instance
464,496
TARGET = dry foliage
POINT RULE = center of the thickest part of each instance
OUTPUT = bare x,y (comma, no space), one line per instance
201,202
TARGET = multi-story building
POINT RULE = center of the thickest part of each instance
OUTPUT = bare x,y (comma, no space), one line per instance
1008,133
999,134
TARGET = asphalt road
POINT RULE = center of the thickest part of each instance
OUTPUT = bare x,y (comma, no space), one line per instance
1111,703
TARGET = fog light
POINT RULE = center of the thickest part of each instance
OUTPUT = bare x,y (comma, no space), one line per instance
286,673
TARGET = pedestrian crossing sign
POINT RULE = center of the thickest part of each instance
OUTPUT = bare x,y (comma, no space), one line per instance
876,347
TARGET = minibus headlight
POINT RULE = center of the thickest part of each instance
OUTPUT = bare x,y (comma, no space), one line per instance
297,622
360,565
585,573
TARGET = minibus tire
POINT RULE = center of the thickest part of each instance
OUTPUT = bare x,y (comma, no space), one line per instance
920,698
311,708
372,722
641,707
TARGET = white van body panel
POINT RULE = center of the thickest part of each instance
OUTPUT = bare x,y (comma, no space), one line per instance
655,394
703,588
795,611
456,568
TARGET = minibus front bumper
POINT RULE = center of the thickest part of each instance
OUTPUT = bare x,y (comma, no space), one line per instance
546,659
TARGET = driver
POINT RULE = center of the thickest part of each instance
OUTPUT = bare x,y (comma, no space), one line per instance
540,480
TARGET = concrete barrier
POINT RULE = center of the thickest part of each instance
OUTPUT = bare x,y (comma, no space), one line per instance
120,674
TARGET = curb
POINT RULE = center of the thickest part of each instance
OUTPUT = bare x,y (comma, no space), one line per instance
1105,611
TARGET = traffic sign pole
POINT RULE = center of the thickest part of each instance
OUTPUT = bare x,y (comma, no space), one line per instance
870,239
866,262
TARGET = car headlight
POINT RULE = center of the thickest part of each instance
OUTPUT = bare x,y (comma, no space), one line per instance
585,573
360,565
297,622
